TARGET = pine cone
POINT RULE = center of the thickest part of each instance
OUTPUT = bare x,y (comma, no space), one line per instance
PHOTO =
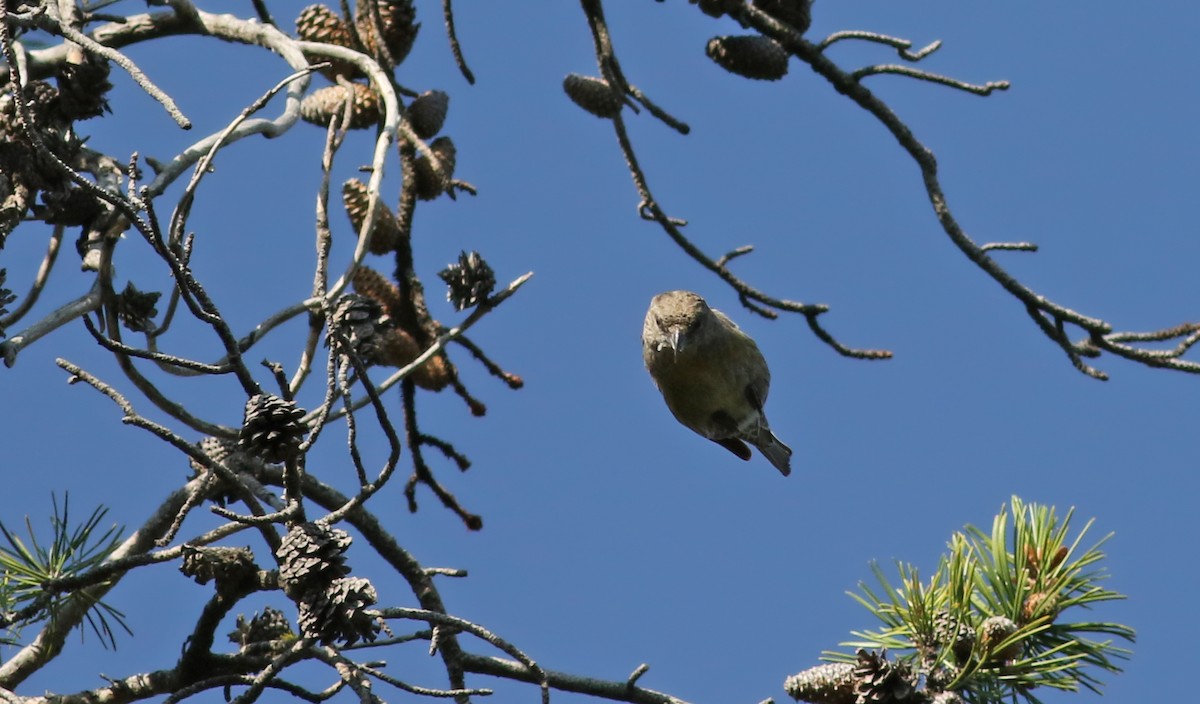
797,13
136,308
82,88
387,230
71,207
882,682
430,182
396,348
399,349
229,454
320,106
230,567
399,345
593,94
947,698
318,23
270,625
311,557
399,28
44,104
753,56
717,8
1038,605
377,340
339,613
427,113
271,428
470,281
995,630
360,320
16,195
948,630
374,285
832,683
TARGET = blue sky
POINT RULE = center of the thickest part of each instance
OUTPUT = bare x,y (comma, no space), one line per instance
613,536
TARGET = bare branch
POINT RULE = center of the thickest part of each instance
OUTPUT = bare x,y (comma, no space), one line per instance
51,22
902,46
985,89
39,282
616,690
448,15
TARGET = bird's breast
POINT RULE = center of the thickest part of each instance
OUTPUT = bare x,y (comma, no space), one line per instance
696,386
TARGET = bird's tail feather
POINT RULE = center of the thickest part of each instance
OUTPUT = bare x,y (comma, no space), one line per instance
775,451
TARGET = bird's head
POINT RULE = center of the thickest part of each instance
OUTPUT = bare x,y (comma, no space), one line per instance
675,320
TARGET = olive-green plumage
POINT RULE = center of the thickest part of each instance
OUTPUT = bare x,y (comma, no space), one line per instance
711,375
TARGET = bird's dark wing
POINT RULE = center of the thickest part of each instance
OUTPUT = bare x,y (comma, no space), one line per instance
735,446
727,428
756,393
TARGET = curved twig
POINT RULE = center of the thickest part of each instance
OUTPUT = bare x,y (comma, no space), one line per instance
39,281
438,345
902,46
52,23
448,15
985,89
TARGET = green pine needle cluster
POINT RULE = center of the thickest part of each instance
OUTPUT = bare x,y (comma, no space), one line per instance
31,569
1003,615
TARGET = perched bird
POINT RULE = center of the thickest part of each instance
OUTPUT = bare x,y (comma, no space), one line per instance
711,375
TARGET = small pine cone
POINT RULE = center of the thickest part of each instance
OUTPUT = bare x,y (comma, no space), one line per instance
221,451
311,557
318,23
948,630
372,284
271,428
320,106
387,230
72,207
270,625
397,348
947,698
1038,605
339,613
398,24
1059,556
469,282
797,13
832,683
225,452
427,113
431,182
435,374
136,308
230,567
82,88
360,320
8,114
44,103
593,94
24,167
16,193
65,145
882,682
995,630
938,677
753,56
